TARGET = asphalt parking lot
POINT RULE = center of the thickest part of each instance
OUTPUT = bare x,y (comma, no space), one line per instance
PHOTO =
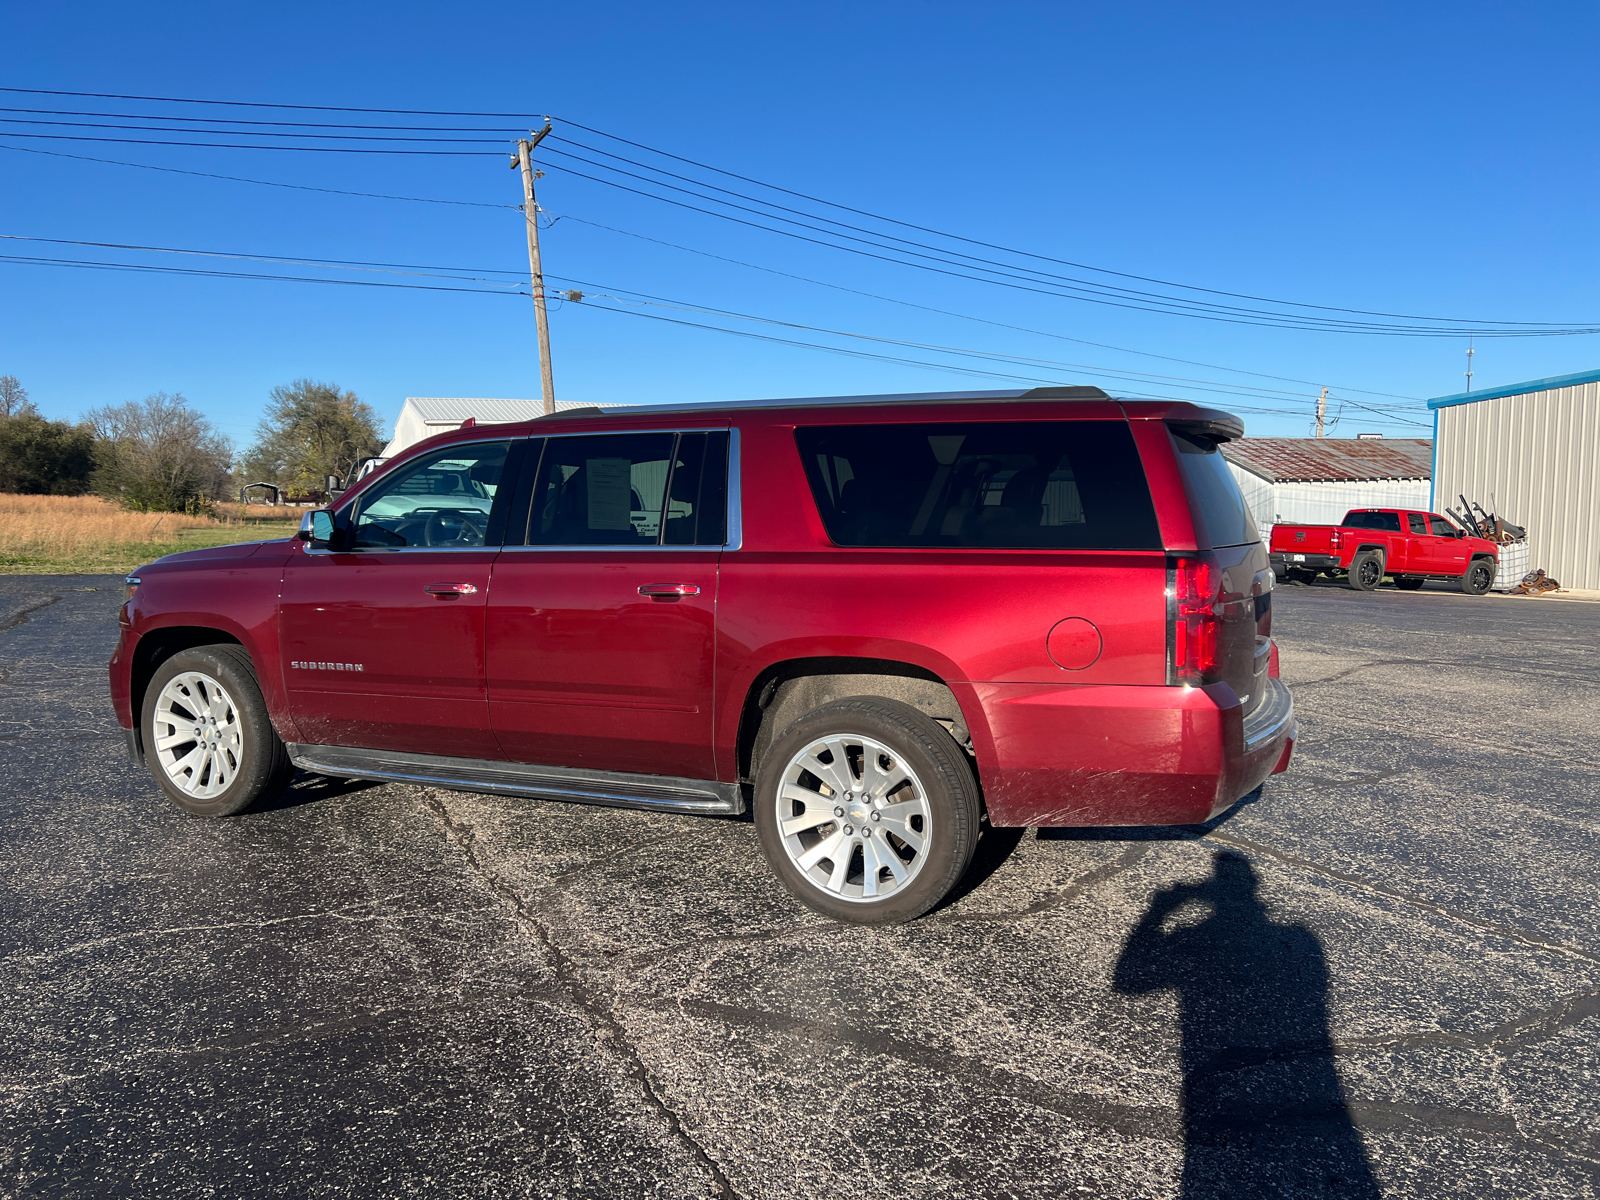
1380,975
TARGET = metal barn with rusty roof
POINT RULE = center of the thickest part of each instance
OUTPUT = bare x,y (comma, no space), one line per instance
1317,480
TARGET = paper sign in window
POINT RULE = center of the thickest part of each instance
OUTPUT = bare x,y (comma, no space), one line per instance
610,492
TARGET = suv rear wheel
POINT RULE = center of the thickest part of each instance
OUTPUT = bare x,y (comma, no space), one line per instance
207,739
867,810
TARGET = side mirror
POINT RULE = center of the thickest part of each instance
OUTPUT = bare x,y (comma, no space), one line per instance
316,528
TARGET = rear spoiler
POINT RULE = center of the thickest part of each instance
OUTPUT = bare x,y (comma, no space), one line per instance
1210,423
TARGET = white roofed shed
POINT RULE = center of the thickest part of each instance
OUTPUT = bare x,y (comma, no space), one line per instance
423,416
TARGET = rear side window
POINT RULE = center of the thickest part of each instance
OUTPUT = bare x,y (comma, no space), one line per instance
638,489
1418,523
1019,484
697,497
1219,507
1386,522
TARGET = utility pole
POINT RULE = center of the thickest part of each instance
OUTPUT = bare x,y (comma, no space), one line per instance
1322,410
530,209
1470,353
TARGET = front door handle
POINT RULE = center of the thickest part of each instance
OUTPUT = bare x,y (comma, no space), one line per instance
669,589
448,591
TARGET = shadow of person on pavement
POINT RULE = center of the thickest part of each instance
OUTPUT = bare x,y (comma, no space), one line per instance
1263,1111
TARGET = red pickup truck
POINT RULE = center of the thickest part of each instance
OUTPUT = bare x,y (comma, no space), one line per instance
1373,542
871,622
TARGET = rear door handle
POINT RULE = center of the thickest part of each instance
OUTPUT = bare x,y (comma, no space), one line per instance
669,589
447,590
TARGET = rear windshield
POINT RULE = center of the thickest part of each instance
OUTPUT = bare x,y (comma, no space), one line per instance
1020,484
1219,507
1388,522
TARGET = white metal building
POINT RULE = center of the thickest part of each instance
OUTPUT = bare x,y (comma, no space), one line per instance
423,416
1532,450
1316,481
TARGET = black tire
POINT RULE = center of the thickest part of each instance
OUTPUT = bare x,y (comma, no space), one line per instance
1366,570
259,761
919,748
1479,577
1409,583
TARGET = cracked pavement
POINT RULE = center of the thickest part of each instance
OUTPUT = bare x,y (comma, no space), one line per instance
1380,975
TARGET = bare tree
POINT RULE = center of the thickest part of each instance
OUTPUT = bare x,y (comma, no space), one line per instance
158,454
14,400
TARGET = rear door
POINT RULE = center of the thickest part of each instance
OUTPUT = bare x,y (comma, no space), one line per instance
1421,549
383,638
601,623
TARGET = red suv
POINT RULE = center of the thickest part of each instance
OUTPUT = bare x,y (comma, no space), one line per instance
875,621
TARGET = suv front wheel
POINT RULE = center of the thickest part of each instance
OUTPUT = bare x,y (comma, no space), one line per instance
207,739
867,810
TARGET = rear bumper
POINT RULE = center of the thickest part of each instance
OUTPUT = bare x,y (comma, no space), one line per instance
1303,562
1076,756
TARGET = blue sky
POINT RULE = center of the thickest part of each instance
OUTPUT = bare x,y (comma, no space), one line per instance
1417,159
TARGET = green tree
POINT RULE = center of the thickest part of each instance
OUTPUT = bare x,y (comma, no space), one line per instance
311,430
44,457
159,455
14,400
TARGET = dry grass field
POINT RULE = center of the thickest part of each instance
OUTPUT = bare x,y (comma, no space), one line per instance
87,535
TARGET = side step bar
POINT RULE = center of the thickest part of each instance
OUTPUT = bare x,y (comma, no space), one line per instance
616,789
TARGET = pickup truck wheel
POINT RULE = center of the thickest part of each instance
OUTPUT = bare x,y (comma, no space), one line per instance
1409,583
1479,576
207,739
1366,570
867,810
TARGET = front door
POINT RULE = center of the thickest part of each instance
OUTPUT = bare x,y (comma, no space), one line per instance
601,628
1447,550
382,635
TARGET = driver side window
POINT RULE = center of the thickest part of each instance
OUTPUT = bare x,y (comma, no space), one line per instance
442,500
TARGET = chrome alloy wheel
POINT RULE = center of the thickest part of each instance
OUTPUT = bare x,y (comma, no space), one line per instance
853,817
196,733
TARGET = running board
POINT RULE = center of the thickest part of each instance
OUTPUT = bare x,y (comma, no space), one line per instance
615,789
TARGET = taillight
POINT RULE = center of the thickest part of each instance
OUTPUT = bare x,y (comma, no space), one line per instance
1334,540
1196,628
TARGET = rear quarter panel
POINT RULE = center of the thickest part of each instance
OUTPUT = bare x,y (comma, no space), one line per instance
971,617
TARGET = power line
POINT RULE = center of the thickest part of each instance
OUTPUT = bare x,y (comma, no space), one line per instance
300,261
32,260
968,316
473,274
1002,248
67,112
944,255
302,187
274,133
1285,322
851,353
1141,378
67,137
1513,328
707,254
94,264
401,112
